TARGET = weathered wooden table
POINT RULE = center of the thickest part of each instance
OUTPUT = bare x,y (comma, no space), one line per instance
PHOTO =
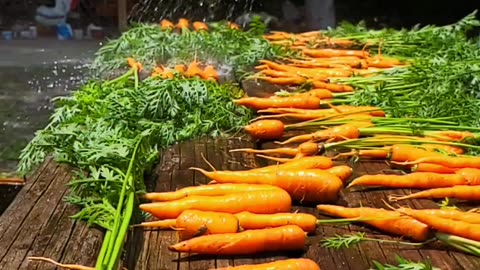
37,222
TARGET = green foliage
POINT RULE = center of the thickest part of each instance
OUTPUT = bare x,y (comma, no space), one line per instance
403,264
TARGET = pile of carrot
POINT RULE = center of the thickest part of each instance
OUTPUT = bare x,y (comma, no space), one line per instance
184,24
189,71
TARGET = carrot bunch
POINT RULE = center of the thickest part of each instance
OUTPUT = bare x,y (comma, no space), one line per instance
184,24
190,71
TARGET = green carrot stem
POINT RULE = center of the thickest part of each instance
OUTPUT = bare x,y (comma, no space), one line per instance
103,250
120,78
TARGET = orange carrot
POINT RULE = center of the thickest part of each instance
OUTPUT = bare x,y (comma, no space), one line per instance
199,26
381,62
382,153
403,152
418,180
295,101
471,175
454,135
453,227
265,129
384,220
204,190
193,70
433,168
209,73
461,192
333,87
337,133
260,202
233,26
61,265
287,81
304,163
285,238
182,23
449,161
251,221
453,214
307,186
343,172
194,223
12,181
289,264
305,114
179,68
304,149
308,72
166,24
319,93
325,53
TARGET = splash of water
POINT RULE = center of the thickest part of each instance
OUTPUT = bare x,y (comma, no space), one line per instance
199,10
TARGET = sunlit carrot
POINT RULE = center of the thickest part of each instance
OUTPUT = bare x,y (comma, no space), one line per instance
233,26
308,72
448,161
453,227
403,152
470,217
460,192
204,190
182,23
286,81
333,87
265,129
433,168
179,68
295,101
251,221
12,181
289,264
382,153
326,53
342,171
166,24
454,135
384,220
260,202
304,149
337,133
285,238
470,174
200,26
381,62
309,186
193,70
209,73
418,180
316,162
306,114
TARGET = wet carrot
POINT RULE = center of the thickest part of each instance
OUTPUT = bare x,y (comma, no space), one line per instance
166,24
209,73
233,26
384,220
199,26
319,93
265,129
317,162
304,149
285,81
204,190
433,168
194,223
308,72
307,186
179,68
12,181
417,180
326,53
193,70
182,23
460,192
454,227
471,175
285,238
337,133
295,101
306,114
403,152
251,221
343,172
333,87
449,161
453,214
289,264
260,202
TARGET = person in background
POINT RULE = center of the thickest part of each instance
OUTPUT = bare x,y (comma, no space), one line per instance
51,16
318,14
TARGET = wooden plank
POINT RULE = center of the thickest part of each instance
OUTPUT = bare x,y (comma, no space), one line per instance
122,15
